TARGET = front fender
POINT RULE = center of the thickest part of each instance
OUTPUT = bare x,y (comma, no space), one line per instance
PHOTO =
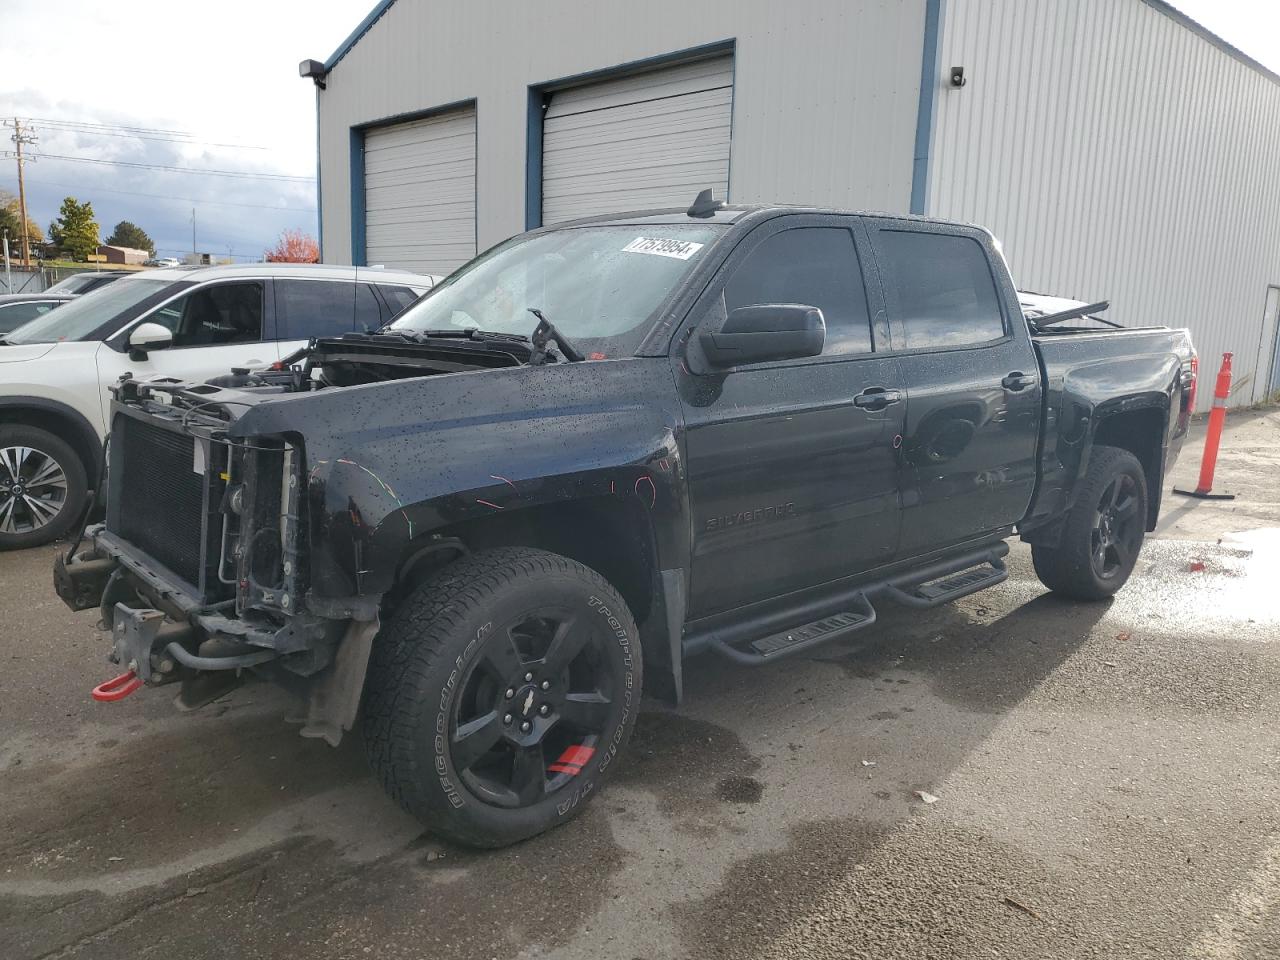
390,464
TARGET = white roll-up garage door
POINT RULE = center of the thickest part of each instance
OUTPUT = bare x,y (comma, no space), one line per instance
651,139
420,193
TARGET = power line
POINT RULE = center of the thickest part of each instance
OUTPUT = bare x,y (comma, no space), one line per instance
241,174
56,128
158,196
115,126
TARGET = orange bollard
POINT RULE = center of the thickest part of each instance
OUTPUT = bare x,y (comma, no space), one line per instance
1217,418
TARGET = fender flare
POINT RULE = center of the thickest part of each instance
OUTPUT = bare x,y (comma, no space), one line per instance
84,438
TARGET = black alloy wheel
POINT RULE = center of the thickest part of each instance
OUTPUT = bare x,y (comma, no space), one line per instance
500,693
532,707
1117,528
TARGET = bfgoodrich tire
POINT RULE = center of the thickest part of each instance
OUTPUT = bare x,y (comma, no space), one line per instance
1102,533
42,487
500,694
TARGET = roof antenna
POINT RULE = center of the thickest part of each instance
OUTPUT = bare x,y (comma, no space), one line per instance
705,205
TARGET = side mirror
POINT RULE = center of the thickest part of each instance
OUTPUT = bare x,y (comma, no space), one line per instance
148,336
766,331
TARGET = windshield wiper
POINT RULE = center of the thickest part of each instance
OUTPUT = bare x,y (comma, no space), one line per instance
1085,311
545,332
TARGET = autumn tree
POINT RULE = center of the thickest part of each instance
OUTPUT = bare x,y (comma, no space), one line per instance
11,220
294,246
128,234
75,232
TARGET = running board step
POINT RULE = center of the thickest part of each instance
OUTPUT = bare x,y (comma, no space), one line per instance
784,643
933,593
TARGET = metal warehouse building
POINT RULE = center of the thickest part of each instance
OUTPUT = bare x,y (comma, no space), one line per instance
1118,149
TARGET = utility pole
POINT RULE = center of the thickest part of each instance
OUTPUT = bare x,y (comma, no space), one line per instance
195,258
21,136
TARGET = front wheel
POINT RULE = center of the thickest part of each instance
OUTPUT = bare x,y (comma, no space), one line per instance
500,693
42,487
1102,533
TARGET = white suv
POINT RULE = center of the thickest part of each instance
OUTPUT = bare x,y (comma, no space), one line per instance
192,323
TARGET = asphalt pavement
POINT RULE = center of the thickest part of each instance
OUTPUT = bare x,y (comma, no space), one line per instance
1010,776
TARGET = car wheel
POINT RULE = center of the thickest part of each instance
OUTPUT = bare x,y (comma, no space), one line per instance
500,694
1103,531
42,487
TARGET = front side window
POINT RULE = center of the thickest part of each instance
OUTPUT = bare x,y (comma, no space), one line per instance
814,266
14,315
941,289
214,315
601,286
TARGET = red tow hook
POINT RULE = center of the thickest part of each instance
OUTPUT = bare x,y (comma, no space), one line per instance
117,688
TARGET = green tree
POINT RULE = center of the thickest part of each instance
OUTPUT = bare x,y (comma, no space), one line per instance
75,231
10,218
128,234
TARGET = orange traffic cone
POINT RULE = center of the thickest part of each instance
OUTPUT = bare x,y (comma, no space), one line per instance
1217,417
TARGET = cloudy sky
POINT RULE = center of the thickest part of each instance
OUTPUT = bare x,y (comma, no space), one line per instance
225,74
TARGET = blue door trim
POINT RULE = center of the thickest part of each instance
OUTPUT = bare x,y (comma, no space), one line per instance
929,74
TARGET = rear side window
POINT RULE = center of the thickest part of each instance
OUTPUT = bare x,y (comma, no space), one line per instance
815,266
368,310
941,288
397,297
315,308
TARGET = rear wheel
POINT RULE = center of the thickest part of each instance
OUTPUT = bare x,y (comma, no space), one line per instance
42,487
1102,533
500,693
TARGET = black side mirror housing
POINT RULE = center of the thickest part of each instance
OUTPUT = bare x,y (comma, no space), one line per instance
766,331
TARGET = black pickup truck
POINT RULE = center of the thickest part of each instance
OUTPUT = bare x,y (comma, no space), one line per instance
604,447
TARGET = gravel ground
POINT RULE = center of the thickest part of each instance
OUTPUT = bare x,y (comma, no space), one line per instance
1105,775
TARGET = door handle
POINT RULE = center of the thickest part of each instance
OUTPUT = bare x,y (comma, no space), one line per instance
1018,381
876,398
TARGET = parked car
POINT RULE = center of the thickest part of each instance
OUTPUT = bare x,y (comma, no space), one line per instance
163,262
17,309
84,282
604,447
189,324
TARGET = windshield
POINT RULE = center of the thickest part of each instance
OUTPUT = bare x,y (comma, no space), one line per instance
600,286
82,317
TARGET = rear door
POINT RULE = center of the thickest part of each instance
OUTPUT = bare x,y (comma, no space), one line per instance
322,308
793,480
968,459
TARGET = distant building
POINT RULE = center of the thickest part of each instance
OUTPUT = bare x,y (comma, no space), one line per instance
125,255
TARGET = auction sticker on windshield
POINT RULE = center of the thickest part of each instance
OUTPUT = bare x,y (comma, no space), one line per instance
677,249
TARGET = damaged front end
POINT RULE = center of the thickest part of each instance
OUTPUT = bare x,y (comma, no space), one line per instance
200,569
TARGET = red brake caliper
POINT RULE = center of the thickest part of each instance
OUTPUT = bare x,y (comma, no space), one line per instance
572,760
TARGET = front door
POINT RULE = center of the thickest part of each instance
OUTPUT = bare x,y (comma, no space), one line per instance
215,327
973,384
792,477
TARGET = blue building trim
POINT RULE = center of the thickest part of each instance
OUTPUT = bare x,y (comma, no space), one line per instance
539,95
359,253
319,192
930,67
533,159
345,47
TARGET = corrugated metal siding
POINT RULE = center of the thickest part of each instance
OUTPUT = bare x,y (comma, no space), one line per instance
1117,155
420,193
824,102
652,139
